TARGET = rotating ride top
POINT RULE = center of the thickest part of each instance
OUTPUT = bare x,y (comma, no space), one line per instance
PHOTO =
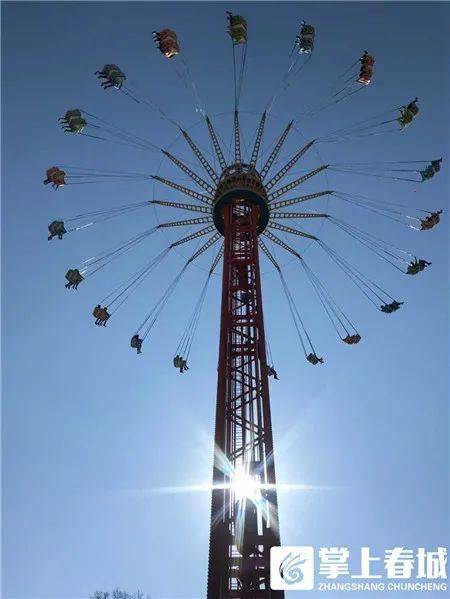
241,206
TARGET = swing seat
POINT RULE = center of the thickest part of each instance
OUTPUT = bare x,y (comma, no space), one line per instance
168,42
57,228
55,175
73,275
365,78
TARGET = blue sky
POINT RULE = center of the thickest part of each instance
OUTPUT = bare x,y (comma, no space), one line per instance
89,429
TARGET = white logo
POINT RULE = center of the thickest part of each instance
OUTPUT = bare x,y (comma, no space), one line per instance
292,568
402,569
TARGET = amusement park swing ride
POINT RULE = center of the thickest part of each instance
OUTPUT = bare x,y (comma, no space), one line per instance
242,202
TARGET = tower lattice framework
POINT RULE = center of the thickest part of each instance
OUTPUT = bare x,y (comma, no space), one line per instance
243,529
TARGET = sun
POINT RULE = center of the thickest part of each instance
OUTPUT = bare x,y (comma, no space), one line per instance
245,486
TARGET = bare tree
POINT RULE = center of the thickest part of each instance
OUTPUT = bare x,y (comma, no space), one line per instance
119,594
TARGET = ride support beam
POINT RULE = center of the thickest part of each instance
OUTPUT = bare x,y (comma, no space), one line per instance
242,529
196,178
287,167
204,231
182,206
275,151
259,137
201,158
216,260
211,241
268,254
237,139
280,227
216,144
293,184
299,215
297,200
281,243
185,190
186,222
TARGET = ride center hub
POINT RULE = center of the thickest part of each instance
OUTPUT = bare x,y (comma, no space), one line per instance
240,182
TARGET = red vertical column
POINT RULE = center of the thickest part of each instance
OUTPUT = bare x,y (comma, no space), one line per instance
244,523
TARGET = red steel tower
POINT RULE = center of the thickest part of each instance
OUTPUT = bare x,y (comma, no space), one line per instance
244,515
